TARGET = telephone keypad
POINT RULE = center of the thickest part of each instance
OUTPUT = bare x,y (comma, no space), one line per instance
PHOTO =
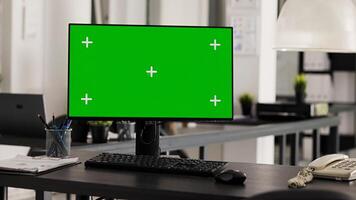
346,165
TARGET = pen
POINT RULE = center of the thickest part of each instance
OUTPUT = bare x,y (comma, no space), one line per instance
63,123
68,124
53,124
43,121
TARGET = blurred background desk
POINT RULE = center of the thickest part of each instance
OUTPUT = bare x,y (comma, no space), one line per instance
204,134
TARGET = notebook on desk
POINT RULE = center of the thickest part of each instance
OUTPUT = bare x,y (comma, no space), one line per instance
26,165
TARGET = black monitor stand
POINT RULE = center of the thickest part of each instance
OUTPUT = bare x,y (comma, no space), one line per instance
147,138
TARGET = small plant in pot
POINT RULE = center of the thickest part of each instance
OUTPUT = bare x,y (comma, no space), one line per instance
99,131
300,85
246,101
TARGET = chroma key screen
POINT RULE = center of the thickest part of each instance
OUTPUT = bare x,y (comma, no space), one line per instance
156,72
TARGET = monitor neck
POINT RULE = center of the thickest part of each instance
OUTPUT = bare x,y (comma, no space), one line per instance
147,138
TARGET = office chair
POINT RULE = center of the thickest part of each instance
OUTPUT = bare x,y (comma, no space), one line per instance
301,194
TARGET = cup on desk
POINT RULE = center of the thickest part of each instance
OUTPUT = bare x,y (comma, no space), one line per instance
58,142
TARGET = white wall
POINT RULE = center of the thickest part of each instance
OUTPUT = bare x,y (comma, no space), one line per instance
58,14
267,56
267,74
179,12
127,12
22,46
287,69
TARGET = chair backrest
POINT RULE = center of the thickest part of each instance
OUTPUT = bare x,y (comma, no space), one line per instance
302,194
18,116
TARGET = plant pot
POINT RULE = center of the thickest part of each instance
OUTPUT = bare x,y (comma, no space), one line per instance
246,109
99,134
80,131
300,96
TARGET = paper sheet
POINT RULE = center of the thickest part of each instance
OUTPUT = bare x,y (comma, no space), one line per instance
11,151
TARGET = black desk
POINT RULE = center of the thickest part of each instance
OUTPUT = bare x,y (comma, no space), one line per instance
139,185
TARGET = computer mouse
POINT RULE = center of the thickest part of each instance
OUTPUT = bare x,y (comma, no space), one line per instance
231,177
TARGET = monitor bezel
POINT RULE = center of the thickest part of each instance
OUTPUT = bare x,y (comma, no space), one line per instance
150,118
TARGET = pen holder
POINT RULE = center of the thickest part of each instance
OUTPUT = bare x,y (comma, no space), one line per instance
58,142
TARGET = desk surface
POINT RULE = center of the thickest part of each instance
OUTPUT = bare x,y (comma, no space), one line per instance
140,185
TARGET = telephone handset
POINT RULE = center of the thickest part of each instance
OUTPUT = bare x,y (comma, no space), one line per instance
334,166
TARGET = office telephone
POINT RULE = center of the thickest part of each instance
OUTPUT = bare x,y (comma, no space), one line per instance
334,166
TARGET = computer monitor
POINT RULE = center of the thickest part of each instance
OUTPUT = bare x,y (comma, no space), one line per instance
150,73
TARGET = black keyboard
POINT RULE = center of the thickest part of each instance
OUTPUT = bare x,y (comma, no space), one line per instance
156,164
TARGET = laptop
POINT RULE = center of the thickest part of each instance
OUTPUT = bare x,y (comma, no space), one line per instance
18,115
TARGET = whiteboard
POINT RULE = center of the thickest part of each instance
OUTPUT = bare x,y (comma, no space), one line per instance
244,34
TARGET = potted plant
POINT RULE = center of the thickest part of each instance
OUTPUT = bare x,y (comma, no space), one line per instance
246,101
99,130
300,85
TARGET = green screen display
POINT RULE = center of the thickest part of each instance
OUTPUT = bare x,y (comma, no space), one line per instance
118,71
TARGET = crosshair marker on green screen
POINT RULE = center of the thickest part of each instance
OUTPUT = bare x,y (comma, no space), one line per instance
123,71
